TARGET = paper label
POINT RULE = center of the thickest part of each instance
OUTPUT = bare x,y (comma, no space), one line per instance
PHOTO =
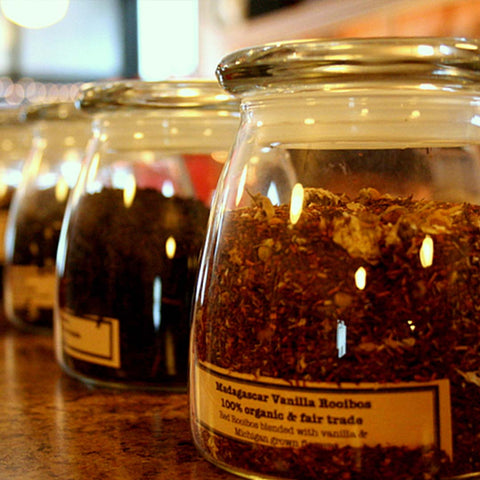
91,338
272,412
31,286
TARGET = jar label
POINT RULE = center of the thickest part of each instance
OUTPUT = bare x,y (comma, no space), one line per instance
31,286
91,338
275,413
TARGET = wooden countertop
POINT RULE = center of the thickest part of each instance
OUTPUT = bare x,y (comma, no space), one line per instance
55,427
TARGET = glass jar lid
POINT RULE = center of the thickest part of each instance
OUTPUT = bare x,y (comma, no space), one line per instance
10,116
52,111
451,62
135,94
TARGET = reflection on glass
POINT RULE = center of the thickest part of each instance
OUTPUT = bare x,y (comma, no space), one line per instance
170,247
426,252
341,338
3,189
296,203
361,278
61,190
220,156
167,189
129,190
92,172
157,302
241,186
272,194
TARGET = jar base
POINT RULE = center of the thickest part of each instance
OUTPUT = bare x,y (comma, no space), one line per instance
126,385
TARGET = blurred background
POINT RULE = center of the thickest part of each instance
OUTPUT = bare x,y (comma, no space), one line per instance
48,48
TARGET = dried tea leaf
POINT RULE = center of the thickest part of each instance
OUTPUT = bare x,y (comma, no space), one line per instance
360,239
471,377
320,197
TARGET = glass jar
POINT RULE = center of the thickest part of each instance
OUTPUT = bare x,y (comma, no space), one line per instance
336,326
60,134
134,227
15,142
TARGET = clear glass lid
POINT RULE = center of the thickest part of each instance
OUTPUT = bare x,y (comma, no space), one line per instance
453,62
52,111
204,94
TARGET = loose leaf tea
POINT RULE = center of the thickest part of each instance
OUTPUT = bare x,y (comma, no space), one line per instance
137,265
31,268
397,280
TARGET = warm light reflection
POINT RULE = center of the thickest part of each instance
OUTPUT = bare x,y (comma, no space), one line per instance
466,46
241,186
138,135
129,190
220,156
3,189
92,169
69,141
170,247
411,325
61,190
426,252
187,92
7,145
296,203
361,278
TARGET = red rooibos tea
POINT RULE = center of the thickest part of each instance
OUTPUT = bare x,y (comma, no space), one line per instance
336,323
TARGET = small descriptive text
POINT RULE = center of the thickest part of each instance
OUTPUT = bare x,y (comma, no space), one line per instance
291,421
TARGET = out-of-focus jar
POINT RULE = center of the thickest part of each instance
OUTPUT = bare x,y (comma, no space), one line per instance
60,135
15,143
134,228
336,323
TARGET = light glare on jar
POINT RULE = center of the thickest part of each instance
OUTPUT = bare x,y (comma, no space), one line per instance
170,247
129,190
61,190
241,186
426,252
168,189
425,50
296,203
361,278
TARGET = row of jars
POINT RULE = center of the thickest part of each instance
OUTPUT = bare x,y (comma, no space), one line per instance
335,328
129,174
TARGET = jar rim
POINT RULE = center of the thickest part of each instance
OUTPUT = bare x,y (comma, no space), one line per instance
11,116
320,62
51,111
138,94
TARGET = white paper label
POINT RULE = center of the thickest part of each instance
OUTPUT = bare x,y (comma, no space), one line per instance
272,412
92,338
